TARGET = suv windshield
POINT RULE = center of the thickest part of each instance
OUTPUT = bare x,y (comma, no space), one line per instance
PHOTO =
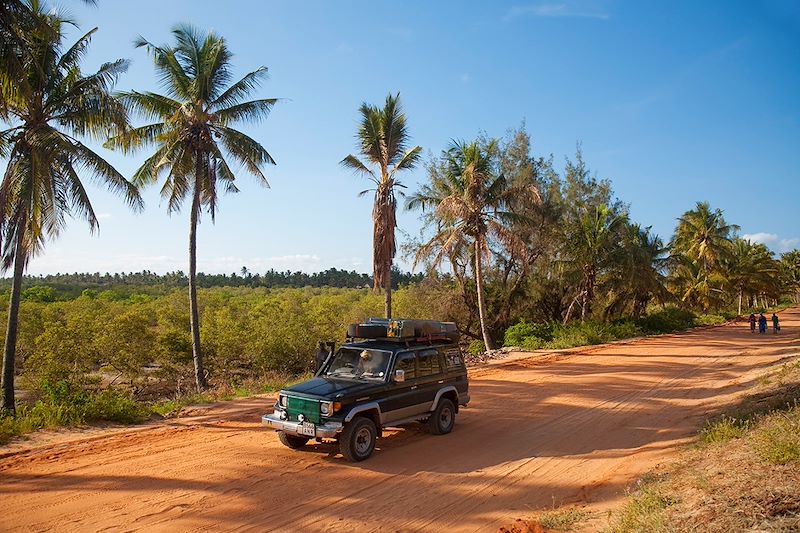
357,363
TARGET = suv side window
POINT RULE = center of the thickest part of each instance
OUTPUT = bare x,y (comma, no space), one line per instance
407,363
428,363
453,360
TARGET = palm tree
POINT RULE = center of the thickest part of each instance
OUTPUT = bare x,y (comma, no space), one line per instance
50,105
467,203
596,239
191,129
638,276
383,140
750,269
702,235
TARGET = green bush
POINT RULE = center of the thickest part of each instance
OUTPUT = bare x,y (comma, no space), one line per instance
476,347
709,320
518,334
667,320
114,406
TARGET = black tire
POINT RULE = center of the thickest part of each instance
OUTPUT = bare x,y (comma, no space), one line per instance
443,418
292,441
357,440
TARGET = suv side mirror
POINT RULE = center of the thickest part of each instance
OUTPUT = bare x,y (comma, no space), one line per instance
399,376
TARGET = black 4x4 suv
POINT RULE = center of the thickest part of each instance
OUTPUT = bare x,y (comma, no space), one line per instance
401,371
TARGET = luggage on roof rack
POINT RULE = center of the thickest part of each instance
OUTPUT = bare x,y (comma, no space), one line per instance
403,330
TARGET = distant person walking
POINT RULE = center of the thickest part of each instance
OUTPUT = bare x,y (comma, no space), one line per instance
762,323
776,325
752,320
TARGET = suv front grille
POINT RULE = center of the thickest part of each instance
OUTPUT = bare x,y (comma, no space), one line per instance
308,408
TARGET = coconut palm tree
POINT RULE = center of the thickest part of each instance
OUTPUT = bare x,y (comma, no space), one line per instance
702,235
597,237
638,273
467,203
383,142
192,134
751,270
49,107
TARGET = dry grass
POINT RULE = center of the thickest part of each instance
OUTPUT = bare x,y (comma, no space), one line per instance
743,476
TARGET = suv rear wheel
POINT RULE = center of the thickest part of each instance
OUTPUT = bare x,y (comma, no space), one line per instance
357,441
443,418
292,441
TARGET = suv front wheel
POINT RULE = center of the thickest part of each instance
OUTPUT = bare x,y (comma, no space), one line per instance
292,441
357,441
443,418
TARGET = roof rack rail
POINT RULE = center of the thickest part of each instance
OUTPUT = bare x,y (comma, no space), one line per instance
403,330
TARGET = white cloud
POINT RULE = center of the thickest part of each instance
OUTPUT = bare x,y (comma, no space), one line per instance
760,238
553,10
773,241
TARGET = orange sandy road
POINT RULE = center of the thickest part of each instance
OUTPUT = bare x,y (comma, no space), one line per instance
540,431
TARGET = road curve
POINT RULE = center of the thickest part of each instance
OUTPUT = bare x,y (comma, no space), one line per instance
542,430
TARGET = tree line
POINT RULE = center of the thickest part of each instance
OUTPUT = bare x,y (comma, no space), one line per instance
121,285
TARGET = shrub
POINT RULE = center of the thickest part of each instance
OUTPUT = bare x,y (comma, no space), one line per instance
517,334
667,320
709,320
476,347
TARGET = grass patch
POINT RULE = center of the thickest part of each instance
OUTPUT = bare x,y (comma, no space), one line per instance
563,519
778,437
645,511
724,429
64,406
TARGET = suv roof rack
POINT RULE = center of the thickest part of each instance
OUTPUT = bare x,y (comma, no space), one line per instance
403,330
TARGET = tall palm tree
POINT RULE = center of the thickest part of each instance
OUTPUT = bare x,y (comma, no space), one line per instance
191,128
468,204
50,105
703,235
383,141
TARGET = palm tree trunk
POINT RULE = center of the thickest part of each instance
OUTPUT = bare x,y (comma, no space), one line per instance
740,302
10,349
388,295
194,315
487,342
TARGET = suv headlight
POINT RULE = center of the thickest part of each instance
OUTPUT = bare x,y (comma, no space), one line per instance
282,400
328,408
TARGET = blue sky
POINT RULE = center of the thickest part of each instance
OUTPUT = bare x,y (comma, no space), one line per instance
674,101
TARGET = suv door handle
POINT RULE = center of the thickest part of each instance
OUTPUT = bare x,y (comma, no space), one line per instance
441,381
414,387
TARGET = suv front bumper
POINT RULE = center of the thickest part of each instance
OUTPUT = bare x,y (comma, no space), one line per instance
328,430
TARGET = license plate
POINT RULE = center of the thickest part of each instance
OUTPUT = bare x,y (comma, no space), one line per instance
307,428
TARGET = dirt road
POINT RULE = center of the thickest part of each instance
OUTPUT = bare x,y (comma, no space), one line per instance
541,431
